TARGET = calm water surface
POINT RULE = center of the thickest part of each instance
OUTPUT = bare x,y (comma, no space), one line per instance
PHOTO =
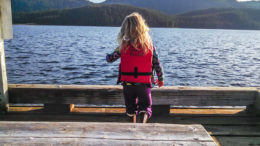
76,55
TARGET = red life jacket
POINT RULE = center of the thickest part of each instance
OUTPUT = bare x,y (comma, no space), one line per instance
136,67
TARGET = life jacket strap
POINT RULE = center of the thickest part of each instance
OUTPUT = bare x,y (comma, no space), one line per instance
136,73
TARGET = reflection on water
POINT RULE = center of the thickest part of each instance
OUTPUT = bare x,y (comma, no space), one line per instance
76,55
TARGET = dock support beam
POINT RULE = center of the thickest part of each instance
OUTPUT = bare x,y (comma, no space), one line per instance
5,33
257,103
161,110
58,108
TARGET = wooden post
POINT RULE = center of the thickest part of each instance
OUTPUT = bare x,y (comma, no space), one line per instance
5,33
6,19
3,79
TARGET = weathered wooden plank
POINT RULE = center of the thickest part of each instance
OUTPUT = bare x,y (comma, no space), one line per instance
32,141
98,110
205,120
112,95
176,88
3,77
212,111
204,97
238,141
67,94
6,19
119,131
25,109
179,112
216,120
233,130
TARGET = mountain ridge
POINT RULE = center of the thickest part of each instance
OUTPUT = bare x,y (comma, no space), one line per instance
220,18
167,6
113,15
182,6
93,15
44,5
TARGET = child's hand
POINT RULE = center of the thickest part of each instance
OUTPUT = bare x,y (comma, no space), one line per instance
160,83
117,49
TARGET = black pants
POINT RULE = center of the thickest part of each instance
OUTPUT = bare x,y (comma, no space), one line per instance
138,99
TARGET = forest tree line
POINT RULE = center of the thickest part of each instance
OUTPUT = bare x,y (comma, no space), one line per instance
113,15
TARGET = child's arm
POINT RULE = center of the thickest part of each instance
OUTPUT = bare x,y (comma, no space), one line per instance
158,68
113,56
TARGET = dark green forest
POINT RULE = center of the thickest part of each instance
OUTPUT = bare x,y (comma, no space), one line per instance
220,18
43,5
167,6
113,15
179,6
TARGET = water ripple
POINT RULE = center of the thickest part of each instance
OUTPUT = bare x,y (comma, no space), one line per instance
76,55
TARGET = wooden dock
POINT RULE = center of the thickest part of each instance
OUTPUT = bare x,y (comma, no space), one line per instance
220,112
85,133
227,127
62,124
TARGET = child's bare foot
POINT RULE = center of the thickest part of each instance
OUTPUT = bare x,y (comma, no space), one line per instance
134,118
143,117
131,117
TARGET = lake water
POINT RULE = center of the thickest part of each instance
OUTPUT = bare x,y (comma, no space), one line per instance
76,55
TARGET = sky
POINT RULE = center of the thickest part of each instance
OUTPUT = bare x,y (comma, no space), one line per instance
97,1
247,0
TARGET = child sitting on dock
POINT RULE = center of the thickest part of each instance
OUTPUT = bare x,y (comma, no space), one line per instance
138,62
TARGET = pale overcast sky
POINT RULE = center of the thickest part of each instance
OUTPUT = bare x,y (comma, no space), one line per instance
247,0
97,1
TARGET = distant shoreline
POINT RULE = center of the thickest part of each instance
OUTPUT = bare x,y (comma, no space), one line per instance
112,16
150,27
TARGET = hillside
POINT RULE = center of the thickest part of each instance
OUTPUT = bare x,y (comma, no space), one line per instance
182,6
43,5
113,15
220,18
94,15
167,6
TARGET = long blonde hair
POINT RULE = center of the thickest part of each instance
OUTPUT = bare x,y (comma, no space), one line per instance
134,31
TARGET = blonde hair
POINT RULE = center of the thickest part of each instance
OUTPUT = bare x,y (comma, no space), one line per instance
134,31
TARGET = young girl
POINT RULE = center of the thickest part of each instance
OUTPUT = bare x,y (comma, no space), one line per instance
138,62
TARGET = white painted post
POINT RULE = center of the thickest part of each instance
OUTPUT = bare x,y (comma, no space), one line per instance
5,33
3,79
6,19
